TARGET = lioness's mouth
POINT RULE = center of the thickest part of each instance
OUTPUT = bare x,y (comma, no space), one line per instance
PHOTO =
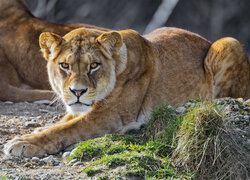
76,103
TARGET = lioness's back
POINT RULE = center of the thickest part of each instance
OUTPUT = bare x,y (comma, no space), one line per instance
180,62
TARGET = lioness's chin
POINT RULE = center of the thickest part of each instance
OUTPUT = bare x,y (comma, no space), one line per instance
78,109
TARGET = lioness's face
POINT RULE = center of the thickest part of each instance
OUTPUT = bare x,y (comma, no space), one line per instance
80,72
85,77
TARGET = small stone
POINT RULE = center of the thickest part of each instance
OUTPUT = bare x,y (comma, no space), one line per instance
8,102
61,164
48,159
181,109
27,164
236,107
35,159
32,124
56,163
246,117
227,108
77,163
73,152
72,161
65,155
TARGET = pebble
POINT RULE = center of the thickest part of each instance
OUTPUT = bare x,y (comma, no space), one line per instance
48,159
77,163
246,117
56,163
61,164
236,107
181,109
73,152
188,104
27,164
72,162
65,155
35,159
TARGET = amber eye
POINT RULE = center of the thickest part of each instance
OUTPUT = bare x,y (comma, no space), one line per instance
94,65
64,66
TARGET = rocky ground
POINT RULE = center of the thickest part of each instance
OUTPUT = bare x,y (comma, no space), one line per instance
23,118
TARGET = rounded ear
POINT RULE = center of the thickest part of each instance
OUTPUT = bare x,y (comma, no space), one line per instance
111,42
50,44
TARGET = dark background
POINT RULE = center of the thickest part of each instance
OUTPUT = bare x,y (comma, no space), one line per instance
210,18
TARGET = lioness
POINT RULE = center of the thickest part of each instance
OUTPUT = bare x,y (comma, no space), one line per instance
22,67
111,81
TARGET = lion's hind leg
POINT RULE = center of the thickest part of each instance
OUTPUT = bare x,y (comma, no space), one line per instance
227,67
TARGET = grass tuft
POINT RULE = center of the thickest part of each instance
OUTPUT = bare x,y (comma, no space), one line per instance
205,145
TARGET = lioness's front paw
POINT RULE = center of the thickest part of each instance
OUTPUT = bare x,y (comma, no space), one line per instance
23,147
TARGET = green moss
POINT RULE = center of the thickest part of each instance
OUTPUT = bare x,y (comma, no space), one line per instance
143,154
90,171
86,150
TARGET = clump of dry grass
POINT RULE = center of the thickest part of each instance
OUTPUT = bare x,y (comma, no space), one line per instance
208,147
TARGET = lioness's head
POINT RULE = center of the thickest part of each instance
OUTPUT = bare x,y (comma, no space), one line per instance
83,65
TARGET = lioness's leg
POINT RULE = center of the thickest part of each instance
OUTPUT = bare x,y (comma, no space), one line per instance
15,94
60,135
227,65
12,87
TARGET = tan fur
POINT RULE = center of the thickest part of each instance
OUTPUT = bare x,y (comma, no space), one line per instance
135,75
23,74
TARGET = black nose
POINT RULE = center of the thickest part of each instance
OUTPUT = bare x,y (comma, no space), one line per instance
78,92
